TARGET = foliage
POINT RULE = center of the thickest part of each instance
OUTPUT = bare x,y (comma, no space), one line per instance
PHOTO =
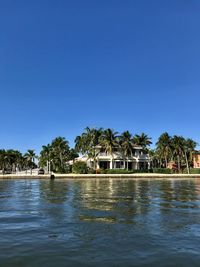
162,170
118,171
142,140
164,147
80,167
126,144
124,171
57,154
176,149
30,159
13,160
194,171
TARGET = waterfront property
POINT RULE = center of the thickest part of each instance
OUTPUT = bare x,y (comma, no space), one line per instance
139,160
196,159
172,166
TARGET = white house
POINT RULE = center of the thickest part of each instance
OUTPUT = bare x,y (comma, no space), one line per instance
138,160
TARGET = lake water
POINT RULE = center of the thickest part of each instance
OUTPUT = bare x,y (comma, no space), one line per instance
99,223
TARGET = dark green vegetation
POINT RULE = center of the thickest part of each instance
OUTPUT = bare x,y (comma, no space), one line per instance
57,154
12,160
54,156
176,149
80,167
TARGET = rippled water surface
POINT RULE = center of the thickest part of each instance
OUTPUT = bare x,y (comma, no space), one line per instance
99,223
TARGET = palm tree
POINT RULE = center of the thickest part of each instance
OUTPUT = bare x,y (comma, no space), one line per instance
30,157
190,146
45,156
126,145
59,152
79,144
87,143
15,159
178,148
164,147
109,141
142,140
3,160
82,142
155,158
93,137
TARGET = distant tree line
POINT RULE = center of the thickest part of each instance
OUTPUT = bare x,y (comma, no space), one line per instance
13,160
56,154
173,148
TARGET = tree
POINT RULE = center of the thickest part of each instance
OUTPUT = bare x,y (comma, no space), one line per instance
164,145
56,154
178,144
45,156
126,145
142,140
109,141
30,158
3,159
190,146
60,154
87,143
73,154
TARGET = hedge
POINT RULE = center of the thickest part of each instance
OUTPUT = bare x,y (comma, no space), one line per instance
162,170
80,167
194,171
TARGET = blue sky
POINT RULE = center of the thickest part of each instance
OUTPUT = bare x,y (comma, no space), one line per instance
65,65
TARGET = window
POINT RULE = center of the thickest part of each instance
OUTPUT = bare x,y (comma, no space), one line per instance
118,165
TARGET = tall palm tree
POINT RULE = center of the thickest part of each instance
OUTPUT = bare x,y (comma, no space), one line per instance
190,146
142,140
30,157
79,144
3,160
94,137
15,159
45,156
60,152
82,142
178,146
109,141
126,145
87,143
164,146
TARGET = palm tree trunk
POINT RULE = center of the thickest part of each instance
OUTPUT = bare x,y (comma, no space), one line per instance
166,163
179,165
186,159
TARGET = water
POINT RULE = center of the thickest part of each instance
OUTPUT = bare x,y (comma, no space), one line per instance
99,223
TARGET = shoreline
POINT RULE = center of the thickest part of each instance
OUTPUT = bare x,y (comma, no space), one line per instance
99,176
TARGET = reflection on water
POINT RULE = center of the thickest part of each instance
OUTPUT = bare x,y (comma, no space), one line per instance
100,222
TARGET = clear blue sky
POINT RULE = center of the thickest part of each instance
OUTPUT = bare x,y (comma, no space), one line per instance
65,65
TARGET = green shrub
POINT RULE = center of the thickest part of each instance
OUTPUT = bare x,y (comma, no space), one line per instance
194,171
91,171
124,171
142,171
162,170
118,171
80,167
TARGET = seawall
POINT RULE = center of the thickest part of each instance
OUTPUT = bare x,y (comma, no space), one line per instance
100,176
